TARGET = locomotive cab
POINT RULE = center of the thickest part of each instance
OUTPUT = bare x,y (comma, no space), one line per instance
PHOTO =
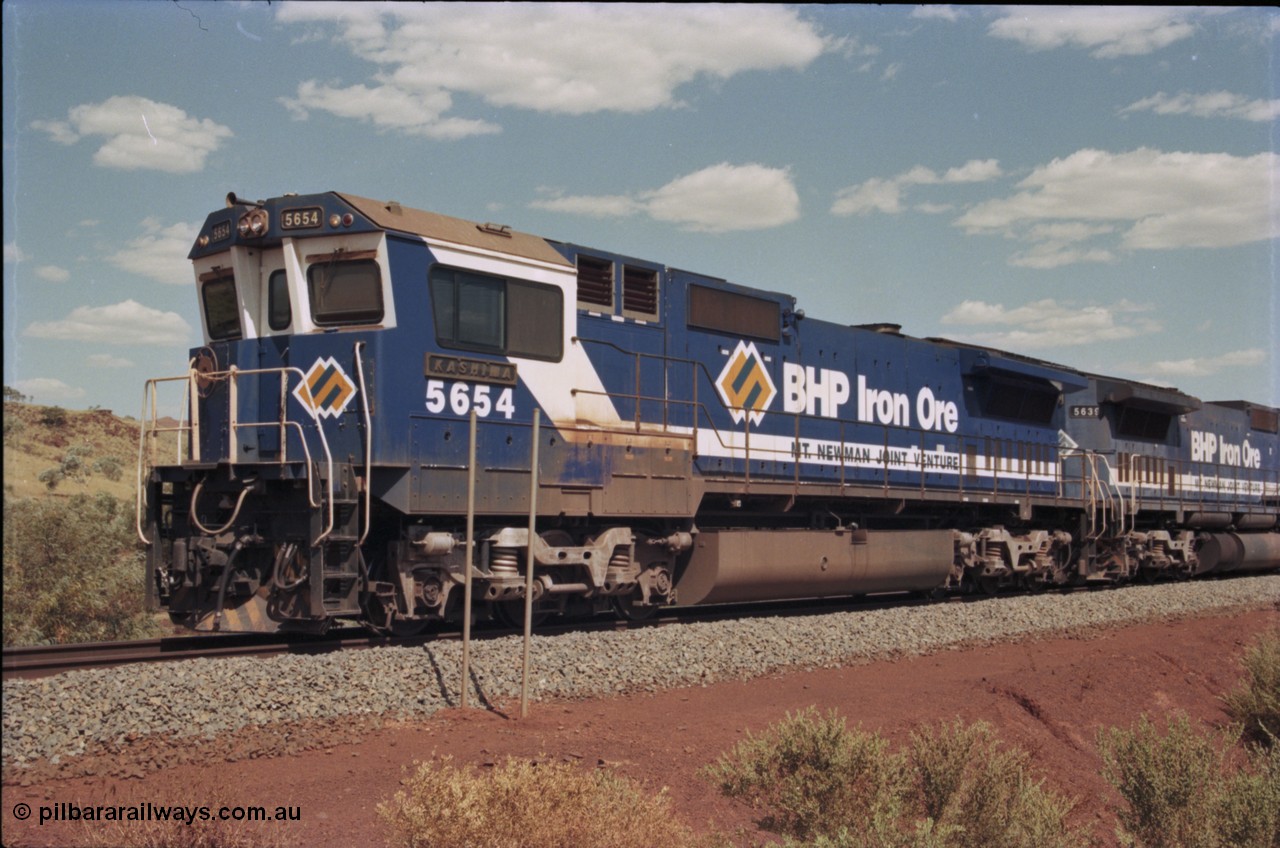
271,420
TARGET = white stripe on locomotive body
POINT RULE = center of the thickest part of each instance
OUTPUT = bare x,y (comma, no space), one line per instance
1201,484
570,392
1187,482
734,444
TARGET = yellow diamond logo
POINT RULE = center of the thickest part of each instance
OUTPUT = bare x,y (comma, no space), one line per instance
325,389
745,385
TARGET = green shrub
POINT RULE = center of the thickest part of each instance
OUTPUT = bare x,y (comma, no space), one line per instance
519,804
1255,704
53,416
1250,810
72,571
811,776
1182,790
983,794
821,785
13,427
73,466
109,467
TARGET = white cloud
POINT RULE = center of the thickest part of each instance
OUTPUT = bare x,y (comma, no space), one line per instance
1153,200
122,323
1106,31
598,206
874,195
13,254
940,12
934,208
46,389
727,197
106,360
721,198
159,253
140,134
1205,366
567,58
886,195
388,107
53,274
1215,104
1049,323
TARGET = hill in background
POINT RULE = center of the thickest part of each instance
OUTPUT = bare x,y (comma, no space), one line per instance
81,452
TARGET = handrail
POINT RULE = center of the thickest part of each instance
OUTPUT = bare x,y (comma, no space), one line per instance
149,428
1098,490
144,432
701,366
368,446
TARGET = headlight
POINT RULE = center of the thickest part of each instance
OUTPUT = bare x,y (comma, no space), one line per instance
254,224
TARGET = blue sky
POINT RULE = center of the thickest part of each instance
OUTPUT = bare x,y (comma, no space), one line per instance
1096,186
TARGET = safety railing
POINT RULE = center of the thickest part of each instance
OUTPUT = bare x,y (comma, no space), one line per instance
189,432
982,465
1022,467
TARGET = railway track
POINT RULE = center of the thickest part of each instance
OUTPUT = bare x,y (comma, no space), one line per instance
46,660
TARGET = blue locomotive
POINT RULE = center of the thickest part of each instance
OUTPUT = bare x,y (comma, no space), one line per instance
384,392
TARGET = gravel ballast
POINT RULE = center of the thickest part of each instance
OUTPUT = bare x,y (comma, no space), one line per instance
67,715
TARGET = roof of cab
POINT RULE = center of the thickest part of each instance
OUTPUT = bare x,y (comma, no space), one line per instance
390,215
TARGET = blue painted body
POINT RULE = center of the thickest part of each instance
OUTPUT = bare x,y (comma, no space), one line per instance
669,401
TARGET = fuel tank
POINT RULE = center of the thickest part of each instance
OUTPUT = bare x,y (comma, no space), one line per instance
1222,552
736,566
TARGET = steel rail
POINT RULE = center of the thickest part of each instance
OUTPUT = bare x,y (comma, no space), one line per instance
46,660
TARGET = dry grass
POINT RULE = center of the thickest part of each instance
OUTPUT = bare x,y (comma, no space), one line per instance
35,441
954,786
521,804
1185,787
1255,703
194,822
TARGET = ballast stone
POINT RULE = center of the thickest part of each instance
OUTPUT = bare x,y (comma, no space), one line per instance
64,716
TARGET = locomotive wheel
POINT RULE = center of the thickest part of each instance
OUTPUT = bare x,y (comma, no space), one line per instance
988,585
511,614
402,627
629,608
1035,583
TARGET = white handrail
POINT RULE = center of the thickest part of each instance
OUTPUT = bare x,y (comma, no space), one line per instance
149,427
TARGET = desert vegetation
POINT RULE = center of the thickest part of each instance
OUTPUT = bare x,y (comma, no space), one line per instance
73,570
817,783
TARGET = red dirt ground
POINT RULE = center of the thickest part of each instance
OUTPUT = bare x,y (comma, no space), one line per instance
1048,696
